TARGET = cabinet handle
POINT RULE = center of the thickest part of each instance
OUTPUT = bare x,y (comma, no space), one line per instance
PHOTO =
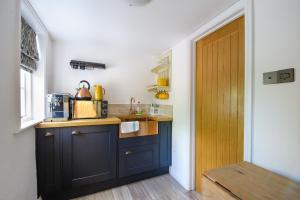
128,152
75,132
48,134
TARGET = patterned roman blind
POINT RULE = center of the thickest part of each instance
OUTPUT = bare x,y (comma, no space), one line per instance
29,50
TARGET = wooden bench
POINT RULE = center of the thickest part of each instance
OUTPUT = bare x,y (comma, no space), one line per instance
248,182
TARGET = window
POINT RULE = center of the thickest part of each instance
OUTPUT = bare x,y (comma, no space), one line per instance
33,60
26,95
29,65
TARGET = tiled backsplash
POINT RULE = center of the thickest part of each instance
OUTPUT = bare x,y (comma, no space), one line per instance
123,109
166,110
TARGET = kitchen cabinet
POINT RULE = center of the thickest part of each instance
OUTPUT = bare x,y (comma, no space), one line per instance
137,155
79,160
89,155
165,144
48,160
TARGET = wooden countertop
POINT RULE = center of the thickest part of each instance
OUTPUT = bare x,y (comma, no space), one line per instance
159,118
251,182
80,122
94,122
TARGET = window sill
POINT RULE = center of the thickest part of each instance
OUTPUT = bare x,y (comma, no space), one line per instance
27,125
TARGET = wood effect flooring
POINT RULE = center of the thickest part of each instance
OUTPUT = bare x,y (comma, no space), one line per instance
158,188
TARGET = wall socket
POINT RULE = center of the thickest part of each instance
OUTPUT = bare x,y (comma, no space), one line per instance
280,76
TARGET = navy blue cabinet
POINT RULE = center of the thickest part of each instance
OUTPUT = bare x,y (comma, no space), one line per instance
137,155
165,144
89,155
71,158
48,161
75,161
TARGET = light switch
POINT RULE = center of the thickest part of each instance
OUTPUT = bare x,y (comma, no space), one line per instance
286,75
281,76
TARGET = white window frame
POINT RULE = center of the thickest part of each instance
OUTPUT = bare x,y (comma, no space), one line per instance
26,86
38,84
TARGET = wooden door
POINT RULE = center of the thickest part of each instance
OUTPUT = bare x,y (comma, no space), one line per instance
89,155
220,98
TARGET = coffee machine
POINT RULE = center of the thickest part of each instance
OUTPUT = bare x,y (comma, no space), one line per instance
58,107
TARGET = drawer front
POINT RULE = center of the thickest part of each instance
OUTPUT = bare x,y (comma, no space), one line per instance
138,159
137,141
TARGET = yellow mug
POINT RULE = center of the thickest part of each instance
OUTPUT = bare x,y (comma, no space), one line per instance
99,92
162,82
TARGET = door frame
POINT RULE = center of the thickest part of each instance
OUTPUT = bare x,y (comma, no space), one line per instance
237,10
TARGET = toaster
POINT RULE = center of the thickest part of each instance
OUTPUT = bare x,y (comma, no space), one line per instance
85,109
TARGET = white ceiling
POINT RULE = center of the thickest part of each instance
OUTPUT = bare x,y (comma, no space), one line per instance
154,27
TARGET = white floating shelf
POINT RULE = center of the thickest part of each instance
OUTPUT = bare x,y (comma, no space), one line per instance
160,69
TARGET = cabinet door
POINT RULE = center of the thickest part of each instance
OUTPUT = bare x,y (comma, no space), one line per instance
138,159
48,160
165,144
89,155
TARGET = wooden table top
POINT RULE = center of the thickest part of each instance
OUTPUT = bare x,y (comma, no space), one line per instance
251,182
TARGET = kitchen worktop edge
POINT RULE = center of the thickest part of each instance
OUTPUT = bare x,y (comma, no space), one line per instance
79,122
94,122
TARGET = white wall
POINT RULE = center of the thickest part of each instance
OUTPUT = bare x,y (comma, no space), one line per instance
17,151
276,143
127,74
181,84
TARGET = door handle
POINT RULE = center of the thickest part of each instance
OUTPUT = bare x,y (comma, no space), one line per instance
128,152
75,132
49,134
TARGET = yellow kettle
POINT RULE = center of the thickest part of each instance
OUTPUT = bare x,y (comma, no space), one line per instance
99,92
